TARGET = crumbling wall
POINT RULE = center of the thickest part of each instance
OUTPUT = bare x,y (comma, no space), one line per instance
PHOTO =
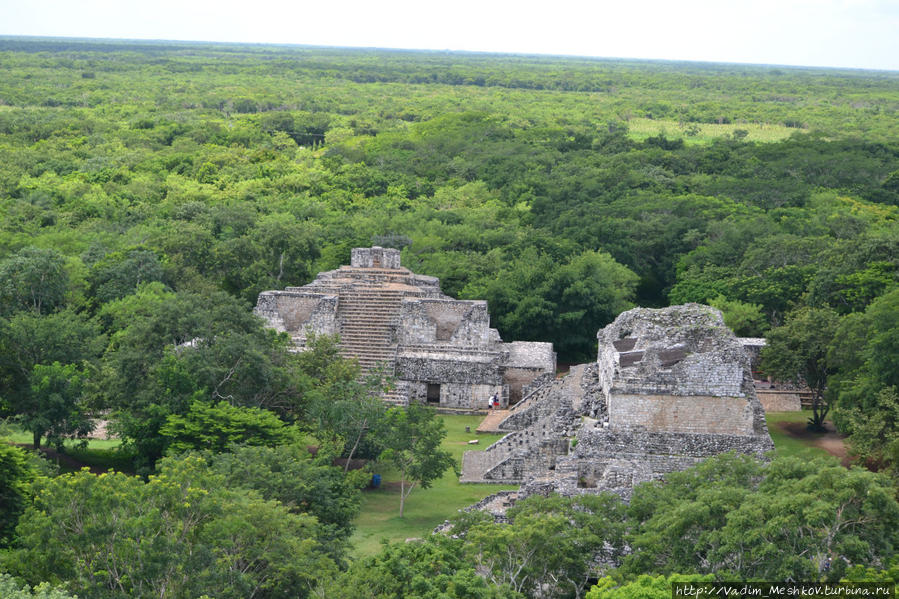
375,257
294,311
445,322
670,387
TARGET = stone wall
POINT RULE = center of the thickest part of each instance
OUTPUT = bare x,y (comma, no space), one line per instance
294,311
444,321
681,414
779,401
439,367
375,257
472,397
670,387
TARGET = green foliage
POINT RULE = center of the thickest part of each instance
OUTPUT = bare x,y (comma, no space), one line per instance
866,357
175,182
733,516
171,349
643,586
433,568
290,475
745,320
12,590
57,410
218,426
121,273
17,470
33,279
182,533
37,356
541,552
410,441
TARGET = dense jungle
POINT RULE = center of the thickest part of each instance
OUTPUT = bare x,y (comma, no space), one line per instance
149,191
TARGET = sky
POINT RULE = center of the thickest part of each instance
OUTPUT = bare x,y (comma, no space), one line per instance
834,33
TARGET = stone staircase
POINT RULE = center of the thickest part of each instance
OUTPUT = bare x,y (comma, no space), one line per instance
367,318
546,419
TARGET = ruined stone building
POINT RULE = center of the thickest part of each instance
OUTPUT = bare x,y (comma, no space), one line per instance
669,388
440,350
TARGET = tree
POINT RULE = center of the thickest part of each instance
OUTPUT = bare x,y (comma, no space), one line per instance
745,320
33,279
29,340
734,516
587,294
17,470
216,427
182,533
411,440
9,589
303,483
121,273
435,567
57,409
549,546
172,349
865,355
797,352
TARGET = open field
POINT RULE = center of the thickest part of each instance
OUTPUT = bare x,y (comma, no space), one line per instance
696,133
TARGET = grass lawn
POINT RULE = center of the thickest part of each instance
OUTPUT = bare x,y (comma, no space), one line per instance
640,128
425,508
786,445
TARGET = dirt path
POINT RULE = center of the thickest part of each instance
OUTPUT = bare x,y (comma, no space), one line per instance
490,422
831,441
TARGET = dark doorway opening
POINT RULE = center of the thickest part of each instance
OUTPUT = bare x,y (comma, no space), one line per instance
514,393
433,393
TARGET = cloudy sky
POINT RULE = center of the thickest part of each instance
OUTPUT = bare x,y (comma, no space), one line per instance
839,33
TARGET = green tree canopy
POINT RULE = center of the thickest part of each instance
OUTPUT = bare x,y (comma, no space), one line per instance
33,279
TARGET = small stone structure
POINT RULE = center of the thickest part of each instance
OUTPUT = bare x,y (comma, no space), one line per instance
440,350
670,387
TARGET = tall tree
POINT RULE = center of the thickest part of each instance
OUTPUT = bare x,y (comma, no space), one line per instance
797,352
33,279
57,407
411,440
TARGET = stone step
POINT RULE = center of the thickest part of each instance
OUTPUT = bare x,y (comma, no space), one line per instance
361,350
370,357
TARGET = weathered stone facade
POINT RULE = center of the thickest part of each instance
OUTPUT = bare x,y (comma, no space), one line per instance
669,388
440,350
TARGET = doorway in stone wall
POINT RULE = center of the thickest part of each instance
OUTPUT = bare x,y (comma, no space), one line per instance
433,394
514,393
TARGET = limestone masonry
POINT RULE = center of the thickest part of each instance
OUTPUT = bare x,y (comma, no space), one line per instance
440,350
669,388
